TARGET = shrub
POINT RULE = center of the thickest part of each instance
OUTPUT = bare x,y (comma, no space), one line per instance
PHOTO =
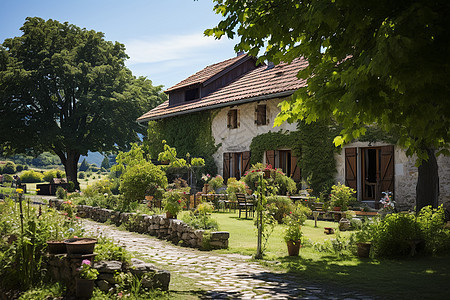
284,183
61,193
431,223
216,182
394,234
31,176
279,207
234,186
19,168
81,175
100,187
55,173
9,168
201,220
137,179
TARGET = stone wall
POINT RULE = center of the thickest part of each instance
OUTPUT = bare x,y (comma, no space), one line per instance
159,226
63,268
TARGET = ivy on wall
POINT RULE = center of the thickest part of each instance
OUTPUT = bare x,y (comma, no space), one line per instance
273,141
317,161
190,133
311,143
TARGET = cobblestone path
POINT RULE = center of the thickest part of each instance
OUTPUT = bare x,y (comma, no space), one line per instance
222,276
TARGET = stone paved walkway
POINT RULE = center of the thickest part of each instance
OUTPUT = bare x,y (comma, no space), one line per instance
222,276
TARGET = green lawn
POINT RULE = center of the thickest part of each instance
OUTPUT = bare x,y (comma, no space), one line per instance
412,277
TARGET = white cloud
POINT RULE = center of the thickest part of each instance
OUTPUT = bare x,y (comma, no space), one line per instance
151,50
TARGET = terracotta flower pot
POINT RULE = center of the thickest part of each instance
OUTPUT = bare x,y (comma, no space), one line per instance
363,249
170,216
85,287
56,247
80,245
293,247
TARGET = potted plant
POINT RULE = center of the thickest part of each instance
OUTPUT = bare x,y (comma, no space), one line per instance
56,245
80,245
293,233
364,239
341,195
173,203
87,277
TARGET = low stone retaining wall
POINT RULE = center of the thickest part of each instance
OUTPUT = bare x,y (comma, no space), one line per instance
159,226
63,268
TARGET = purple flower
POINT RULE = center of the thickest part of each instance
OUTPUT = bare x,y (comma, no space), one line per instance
86,262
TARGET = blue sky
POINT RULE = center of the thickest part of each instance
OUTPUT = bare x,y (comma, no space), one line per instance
164,38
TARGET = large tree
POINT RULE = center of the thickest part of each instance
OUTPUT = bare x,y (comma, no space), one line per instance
370,62
66,90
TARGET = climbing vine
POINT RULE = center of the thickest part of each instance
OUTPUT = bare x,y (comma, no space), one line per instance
317,163
273,141
190,133
311,143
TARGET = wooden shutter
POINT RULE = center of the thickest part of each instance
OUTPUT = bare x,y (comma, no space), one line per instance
245,162
270,157
386,170
295,169
226,165
351,167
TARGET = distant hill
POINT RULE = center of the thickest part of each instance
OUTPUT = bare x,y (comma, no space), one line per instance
93,158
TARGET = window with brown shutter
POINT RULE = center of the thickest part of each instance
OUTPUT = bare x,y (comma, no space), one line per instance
261,115
233,119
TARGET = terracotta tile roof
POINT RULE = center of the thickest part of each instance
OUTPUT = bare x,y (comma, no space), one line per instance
260,83
206,73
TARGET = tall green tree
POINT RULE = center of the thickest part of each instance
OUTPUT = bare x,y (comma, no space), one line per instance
66,90
370,62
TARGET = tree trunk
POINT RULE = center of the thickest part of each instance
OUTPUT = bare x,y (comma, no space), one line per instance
427,189
70,161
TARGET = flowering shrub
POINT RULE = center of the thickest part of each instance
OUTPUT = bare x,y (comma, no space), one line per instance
173,201
279,207
86,271
278,183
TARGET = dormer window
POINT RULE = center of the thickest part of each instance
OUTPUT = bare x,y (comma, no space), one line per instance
191,94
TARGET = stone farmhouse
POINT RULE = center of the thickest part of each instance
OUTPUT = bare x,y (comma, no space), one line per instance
245,98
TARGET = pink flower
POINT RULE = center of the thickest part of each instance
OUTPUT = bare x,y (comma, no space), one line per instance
77,217
86,262
75,237
119,295
179,201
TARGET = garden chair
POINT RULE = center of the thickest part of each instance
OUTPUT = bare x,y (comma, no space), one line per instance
245,204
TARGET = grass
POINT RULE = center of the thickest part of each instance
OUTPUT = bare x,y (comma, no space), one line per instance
412,277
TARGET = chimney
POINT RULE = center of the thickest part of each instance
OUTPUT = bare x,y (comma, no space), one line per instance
270,65
240,53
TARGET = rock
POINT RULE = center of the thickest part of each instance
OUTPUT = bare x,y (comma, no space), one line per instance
108,266
220,235
103,285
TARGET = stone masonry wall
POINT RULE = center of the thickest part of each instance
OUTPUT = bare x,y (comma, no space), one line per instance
159,226
63,268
